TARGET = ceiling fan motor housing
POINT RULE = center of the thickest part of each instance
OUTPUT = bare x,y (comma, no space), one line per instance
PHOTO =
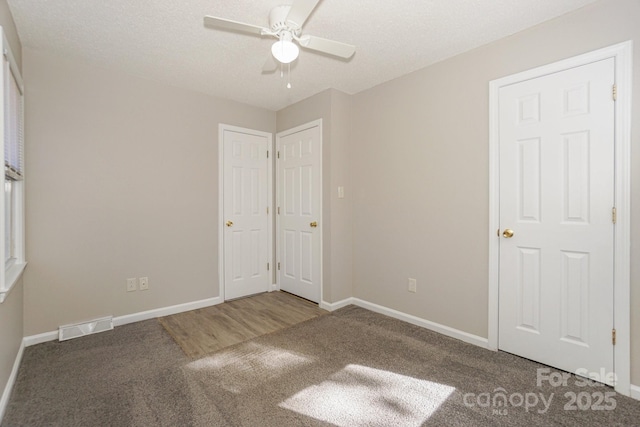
278,20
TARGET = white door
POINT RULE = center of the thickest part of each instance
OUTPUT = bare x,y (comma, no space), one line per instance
247,240
557,196
299,207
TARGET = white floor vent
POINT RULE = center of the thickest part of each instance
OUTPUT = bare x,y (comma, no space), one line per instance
87,328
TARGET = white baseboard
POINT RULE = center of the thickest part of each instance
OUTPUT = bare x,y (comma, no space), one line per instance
40,338
635,391
274,287
131,318
436,327
6,394
335,305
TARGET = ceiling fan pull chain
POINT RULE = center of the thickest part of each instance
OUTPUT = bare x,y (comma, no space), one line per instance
289,76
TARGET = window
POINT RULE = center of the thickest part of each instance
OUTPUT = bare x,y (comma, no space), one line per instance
9,224
13,179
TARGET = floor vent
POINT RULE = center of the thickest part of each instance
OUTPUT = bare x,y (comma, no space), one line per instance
87,328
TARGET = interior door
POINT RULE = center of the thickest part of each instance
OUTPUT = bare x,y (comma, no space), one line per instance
557,229
247,241
299,207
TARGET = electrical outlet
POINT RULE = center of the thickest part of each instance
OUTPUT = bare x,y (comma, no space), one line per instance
411,285
132,285
144,283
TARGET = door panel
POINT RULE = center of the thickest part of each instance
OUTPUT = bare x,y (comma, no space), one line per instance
299,188
557,194
246,216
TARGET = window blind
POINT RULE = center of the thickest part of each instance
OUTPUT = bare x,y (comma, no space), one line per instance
13,131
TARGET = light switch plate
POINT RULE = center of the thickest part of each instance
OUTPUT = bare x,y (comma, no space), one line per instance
411,285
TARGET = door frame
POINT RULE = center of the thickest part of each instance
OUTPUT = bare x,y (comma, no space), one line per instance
279,135
221,188
623,56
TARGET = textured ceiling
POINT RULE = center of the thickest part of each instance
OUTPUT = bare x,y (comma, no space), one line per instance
165,40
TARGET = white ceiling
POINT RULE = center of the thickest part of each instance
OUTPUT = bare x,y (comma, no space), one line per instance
165,40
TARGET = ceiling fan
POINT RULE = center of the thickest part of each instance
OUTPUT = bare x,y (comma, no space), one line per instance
285,24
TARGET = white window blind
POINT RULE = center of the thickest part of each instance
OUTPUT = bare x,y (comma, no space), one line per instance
13,130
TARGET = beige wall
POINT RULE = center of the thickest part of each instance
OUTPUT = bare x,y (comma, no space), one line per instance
123,182
11,311
420,171
333,108
341,209
11,333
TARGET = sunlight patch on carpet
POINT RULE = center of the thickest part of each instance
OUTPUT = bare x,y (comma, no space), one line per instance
362,396
245,367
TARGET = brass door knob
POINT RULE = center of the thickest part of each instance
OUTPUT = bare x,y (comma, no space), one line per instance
314,224
508,233
229,223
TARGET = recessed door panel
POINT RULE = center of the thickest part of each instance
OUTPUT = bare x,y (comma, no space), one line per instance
306,252
289,254
529,175
575,297
576,174
289,193
529,290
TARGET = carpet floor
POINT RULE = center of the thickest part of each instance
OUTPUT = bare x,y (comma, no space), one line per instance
349,368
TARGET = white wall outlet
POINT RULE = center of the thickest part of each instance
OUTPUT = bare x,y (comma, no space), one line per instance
411,285
144,283
341,192
132,285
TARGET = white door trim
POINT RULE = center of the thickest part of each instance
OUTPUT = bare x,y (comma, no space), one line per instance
623,55
279,135
221,129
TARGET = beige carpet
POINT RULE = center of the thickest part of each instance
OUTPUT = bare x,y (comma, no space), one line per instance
349,368
210,329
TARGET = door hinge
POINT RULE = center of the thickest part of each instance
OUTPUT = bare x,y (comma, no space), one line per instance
613,336
615,92
278,266
267,210
278,210
267,154
614,215
267,266
278,154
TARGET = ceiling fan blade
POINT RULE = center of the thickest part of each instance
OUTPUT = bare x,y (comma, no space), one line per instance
331,47
270,65
300,11
228,24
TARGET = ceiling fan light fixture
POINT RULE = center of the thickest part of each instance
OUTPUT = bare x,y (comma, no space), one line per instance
284,50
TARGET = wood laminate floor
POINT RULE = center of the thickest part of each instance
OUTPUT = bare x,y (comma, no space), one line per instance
203,331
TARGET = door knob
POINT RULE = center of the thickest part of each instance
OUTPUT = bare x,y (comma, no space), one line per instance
508,233
314,224
229,223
